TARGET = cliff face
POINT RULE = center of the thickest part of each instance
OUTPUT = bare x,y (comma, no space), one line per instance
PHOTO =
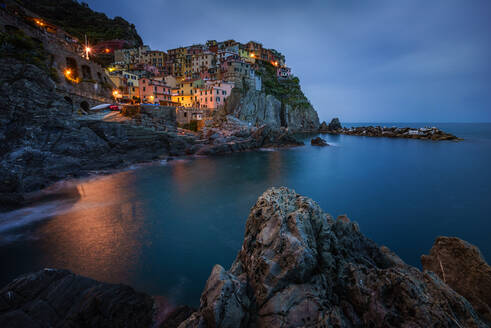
299,267
258,108
280,103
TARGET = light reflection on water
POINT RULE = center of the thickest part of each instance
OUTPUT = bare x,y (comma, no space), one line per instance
101,236
161,228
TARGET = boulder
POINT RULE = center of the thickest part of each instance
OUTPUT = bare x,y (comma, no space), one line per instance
323,126
59,298
334,125
299,267
318,141
461,266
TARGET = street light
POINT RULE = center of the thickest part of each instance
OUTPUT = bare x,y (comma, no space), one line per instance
87,50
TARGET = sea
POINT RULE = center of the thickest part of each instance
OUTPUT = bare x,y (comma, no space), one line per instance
161,227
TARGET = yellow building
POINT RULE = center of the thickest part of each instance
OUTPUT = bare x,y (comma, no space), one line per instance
187,93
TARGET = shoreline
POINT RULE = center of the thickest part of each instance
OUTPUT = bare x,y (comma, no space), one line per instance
57,191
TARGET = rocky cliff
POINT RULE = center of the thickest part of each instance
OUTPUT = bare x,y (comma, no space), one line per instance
298,267
280,103
41,141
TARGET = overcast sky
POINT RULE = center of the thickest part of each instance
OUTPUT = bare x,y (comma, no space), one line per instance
363,61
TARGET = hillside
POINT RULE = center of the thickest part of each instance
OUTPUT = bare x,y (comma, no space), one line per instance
78,19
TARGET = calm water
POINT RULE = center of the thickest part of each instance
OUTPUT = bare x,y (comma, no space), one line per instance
161,228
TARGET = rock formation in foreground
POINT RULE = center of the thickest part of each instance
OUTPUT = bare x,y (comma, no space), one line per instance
58,298
298,267
461,266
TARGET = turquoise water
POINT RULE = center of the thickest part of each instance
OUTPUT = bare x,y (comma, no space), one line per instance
162,227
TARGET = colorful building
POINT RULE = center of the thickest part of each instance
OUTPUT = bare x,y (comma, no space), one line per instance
154,91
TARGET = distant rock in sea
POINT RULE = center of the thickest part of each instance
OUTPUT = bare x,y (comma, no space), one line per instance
318,141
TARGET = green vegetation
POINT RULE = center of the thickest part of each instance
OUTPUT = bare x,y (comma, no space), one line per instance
19,46
79,20
288,91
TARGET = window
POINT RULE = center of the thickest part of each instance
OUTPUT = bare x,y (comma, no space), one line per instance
144,89
218,99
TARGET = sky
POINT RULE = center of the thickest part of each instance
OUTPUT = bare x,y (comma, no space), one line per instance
361,61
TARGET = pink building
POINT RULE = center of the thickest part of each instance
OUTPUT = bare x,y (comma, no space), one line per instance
154,91
213,95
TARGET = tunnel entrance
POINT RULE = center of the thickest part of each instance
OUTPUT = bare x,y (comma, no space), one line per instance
84,105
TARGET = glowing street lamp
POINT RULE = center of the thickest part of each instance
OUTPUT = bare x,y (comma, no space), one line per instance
87,50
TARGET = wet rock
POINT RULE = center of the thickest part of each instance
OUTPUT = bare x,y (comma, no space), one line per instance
318,141
333,127
461,266
59,298
298,267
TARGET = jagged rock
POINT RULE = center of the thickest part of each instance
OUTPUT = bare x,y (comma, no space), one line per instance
59,298
461,266
259,108
298,267
318,142
334,125
323,126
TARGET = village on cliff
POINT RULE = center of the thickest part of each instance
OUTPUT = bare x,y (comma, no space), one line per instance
194,79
